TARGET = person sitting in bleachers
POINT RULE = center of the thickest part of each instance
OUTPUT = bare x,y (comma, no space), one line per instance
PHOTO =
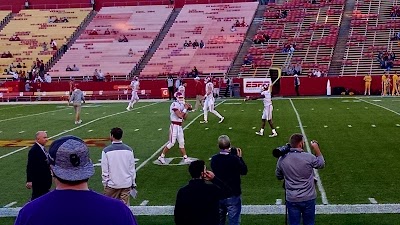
75,68
47,78
246,61
130,52
190,43
4,55
19,65
222,29
201,45
9,55
64,20
108,77
186,44
237,23
68,68
101,75
233,29
291,49
266,38
283,14
53,19
123,39
44,46
195,44
23,65
93,32
53,44
14,38
243,24
195,72
107,32
297,69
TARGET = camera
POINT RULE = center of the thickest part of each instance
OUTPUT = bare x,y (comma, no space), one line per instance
233,151
281,150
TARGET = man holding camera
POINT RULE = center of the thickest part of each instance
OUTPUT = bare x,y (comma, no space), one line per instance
228,165
297,168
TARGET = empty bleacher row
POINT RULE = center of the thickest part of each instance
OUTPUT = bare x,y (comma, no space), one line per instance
210,23
33,28
312,29
372,29
140,25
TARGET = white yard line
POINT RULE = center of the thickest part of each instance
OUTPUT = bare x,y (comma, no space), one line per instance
161,148
256,210
319,182
383,107
36,114
9,204
80,126
12,107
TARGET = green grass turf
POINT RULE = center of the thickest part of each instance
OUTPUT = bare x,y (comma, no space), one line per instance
361,160
361,219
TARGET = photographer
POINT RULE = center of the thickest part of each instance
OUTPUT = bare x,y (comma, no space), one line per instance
296,167
197,203
228,165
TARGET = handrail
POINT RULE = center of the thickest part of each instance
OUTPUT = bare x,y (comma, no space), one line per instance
137,3
58,6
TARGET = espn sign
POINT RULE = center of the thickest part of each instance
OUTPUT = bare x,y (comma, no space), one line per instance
253,85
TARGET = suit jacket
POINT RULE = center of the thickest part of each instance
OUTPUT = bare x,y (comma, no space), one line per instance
38,169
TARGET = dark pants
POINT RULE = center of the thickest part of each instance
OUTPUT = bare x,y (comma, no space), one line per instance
171,92
227,91
297,89
297,210
38,191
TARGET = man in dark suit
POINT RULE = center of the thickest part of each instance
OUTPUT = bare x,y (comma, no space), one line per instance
38,175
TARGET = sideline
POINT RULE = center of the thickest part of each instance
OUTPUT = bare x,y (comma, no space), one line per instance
162,147
383,107
319,182
36,114
80,126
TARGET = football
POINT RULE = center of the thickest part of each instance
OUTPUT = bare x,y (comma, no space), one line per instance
189,106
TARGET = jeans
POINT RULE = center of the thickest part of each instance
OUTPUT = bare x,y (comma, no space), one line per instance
305,209
232,206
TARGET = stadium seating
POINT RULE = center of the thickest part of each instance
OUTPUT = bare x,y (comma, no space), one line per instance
202,22
140,24
311,28
371,31
33,29
3,15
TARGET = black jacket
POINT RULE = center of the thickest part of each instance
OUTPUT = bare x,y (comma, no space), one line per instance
38,169
198,203
229,168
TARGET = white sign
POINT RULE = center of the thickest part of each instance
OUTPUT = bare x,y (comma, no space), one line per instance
253,85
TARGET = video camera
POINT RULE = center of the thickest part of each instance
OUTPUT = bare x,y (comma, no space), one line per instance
233,151
281,150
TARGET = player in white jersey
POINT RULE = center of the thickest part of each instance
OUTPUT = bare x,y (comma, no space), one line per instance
209,101
182,88
135,86
267,112
178,110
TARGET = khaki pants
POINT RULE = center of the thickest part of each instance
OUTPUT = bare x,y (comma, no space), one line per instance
199,102
121,194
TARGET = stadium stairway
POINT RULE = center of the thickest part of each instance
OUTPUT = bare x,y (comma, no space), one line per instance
234,70
4,22
72,39
340,48
143,62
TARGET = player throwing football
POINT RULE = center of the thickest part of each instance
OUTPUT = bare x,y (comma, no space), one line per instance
178,110
135,86
268,108
209,101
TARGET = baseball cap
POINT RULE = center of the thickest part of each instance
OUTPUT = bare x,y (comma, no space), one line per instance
69,159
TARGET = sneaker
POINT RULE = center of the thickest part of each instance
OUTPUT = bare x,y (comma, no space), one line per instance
273,135
221,120
187,161
76,122
260,133
80,121
161,160
127,108
204,121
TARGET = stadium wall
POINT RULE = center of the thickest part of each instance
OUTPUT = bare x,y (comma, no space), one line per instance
309,86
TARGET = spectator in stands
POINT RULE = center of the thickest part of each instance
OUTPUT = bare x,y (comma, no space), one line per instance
92,3
23,65
114,31
266,38
243,24
26,4
44,46
4,55
14,75
9,55
291,49
297,69
190,43
246,61
313,1
47,78
130,52
41,69
64,20
233,29
107,32
237,23
11,67
14,38
65,43
283,14
75,68
93,32
201,45
122,38
108,77
53,44
195,72
19,65
28,86
68,68
186,44
222,29
38,79
195,44
95,75
101,75
52,19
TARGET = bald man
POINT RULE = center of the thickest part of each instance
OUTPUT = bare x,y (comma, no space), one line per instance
38,175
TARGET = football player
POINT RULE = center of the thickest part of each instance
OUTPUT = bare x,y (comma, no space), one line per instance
268,108
179,110
135,86
209,101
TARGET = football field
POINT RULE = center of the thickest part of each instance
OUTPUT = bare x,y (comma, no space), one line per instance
359,138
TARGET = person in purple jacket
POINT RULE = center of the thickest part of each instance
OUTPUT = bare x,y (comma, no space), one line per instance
72,202
297,169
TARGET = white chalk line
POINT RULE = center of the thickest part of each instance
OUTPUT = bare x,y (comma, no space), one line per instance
80,126
168,210
36,114
319,182
162,147
383,107
9,204
13,107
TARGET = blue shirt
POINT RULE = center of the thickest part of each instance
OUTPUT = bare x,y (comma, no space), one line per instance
72,207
